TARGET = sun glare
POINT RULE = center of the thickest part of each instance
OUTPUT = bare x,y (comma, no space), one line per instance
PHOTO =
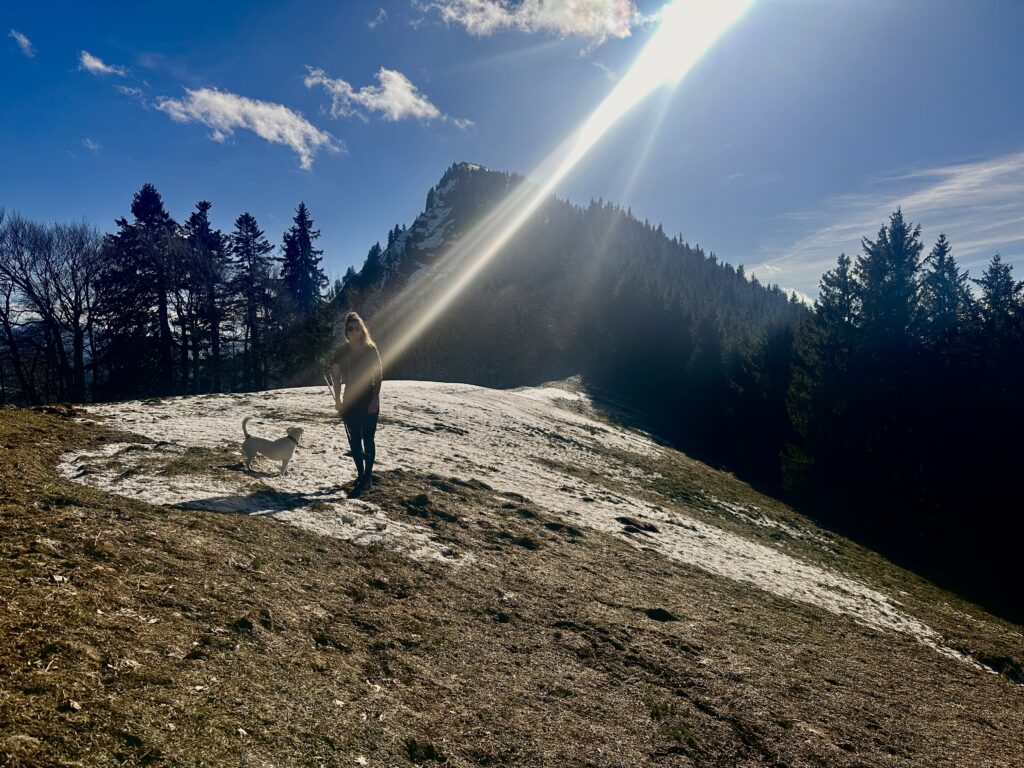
687,29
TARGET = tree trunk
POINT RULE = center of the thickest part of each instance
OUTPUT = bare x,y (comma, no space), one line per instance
200,383
95,382
183,388
258,365
198,380
215,352
78,369
27,390
254,349
166,350
247,362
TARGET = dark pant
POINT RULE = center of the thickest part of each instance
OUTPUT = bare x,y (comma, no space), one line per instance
361,428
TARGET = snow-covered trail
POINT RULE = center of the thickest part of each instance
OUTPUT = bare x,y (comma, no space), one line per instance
515,441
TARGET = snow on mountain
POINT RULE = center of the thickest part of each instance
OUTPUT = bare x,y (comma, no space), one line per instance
546,444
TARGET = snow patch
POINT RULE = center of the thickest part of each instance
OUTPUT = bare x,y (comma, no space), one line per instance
435,240
549,394
522,441
431,222
420,269
755,516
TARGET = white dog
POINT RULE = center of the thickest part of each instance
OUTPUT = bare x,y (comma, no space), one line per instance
276,450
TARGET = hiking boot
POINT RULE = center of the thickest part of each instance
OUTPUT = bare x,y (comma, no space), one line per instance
358,487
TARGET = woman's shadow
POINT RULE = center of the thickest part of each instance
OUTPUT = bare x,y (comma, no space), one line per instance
263,501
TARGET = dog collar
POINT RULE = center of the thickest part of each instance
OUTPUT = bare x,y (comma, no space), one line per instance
292,439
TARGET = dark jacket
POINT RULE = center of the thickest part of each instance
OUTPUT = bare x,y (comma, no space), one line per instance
361,373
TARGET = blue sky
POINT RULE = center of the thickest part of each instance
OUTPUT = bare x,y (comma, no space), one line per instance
796,134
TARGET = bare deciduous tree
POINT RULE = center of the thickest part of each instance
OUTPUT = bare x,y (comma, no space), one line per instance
47,276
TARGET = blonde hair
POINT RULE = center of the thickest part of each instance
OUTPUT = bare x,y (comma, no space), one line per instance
367,338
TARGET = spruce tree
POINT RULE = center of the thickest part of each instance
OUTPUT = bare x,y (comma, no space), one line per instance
820,389
251,284
134,296
301,275
835,313
945,295
335,291
373,269
886,374
887,285
1000,295
302,319
208,261
156,230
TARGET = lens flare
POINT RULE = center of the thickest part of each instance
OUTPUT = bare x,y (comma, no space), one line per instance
687,29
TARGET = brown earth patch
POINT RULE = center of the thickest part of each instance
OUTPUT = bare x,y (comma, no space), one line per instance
140,635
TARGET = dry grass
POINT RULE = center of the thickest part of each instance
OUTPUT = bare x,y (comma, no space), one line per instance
139,635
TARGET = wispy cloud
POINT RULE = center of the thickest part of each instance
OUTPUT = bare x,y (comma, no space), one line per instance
377,20
754,178
595,20
91,145
23,42
97,66
131,91
224,112
979,205
609,73
395,98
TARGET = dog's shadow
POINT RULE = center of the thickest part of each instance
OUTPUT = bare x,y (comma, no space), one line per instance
239,466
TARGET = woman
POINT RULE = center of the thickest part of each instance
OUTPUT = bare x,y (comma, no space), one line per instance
357,365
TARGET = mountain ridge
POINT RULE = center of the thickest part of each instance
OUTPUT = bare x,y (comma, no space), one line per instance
562,271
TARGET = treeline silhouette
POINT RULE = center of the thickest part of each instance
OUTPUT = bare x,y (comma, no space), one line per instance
890,410
905,414
157,307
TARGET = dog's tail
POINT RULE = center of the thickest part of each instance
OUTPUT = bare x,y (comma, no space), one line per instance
244,430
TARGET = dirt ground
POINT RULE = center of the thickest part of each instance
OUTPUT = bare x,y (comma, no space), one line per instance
142,635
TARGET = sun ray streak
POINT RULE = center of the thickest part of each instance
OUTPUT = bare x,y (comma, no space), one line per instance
687,30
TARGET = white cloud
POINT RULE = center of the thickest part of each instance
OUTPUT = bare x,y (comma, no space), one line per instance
92,146
979,205
23,42
97,66
396,98
127,90
377,20
223,112
595,20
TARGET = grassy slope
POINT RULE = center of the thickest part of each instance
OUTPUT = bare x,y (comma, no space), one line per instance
140,635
